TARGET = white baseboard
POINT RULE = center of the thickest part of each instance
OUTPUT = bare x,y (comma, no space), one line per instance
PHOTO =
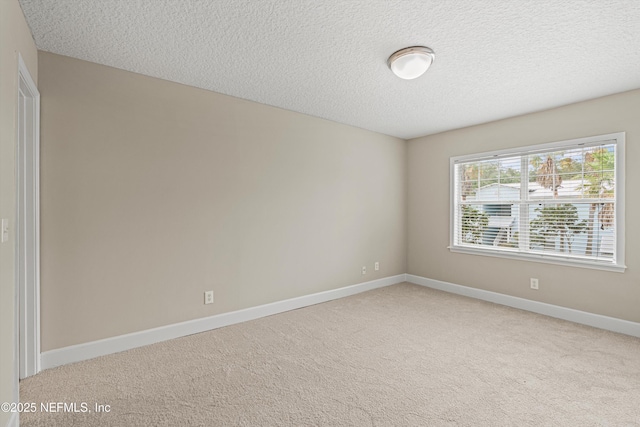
76,353
577,316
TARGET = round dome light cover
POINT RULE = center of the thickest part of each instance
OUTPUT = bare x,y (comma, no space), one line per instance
411,62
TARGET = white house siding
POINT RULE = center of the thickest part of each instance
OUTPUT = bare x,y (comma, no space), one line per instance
503,193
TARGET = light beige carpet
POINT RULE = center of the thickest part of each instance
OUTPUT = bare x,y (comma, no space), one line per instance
398,356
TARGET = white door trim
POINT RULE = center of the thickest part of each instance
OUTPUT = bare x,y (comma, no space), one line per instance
27,226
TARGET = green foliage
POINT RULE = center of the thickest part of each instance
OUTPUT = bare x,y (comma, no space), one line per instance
510,176
512,243
548,175
567,166
555,221
474,223
599,173
481,174
599,166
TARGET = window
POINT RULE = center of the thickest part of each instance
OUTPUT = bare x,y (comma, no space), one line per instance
561,203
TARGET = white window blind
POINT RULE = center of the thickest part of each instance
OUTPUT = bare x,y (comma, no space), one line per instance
560,202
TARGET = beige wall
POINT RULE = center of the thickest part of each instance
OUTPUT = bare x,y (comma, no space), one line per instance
606,293
154,192
15,38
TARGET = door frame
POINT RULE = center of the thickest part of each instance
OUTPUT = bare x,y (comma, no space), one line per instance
27,224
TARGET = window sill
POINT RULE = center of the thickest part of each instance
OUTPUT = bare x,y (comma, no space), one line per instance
618,268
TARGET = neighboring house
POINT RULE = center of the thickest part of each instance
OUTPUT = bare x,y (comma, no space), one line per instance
504,217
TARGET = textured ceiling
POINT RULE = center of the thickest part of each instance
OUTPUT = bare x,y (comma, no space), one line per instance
327,58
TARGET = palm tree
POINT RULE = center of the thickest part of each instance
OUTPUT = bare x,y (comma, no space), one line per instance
598,166
555,221
548,176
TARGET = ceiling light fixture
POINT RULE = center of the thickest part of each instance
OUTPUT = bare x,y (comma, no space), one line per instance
411,62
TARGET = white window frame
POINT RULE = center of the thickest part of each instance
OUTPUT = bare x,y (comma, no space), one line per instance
618,263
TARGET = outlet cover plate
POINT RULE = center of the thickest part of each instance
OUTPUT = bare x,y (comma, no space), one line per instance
208,297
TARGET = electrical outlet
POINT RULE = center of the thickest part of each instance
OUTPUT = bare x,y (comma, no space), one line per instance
534,283
208,297
376,266
364,269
